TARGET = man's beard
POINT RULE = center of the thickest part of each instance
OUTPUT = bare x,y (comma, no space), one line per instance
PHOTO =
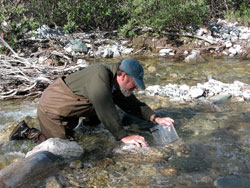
125,92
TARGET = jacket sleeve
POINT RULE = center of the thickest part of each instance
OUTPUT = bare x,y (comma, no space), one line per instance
132,105
99,92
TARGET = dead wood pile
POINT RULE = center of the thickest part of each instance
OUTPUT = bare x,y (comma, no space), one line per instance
22,77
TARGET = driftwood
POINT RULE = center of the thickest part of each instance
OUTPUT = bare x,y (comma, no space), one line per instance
27,77
190,36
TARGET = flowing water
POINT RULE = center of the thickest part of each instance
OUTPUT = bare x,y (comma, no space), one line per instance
214,138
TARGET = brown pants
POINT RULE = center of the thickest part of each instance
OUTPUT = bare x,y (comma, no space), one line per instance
59,110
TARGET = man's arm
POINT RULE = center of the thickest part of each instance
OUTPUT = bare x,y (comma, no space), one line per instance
132,106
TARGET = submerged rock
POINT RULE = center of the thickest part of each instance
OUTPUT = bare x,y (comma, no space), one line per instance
132,153
30,170
232,182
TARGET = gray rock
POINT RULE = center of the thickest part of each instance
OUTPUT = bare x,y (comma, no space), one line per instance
31,170
233,37
220,98
232,182
46,32
193,56
226,36
76,46
57,146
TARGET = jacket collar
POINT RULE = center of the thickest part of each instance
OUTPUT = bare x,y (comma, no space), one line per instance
114,67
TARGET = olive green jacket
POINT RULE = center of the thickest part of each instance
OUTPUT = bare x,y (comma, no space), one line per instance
96,83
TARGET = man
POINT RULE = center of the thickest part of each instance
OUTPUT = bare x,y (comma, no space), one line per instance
92,93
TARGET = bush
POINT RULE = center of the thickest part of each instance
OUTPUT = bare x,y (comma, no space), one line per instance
125,15
166,15
230,9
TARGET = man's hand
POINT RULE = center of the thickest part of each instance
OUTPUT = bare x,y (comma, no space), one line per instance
167,122
137,140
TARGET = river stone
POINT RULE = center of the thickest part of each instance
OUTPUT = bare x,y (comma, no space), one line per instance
30,170
134,154
108,53
245,36
76,46
232,182
164,52
196,92
65,148
246,95
228,44
219,98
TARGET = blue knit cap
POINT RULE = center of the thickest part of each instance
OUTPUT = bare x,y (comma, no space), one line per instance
133,68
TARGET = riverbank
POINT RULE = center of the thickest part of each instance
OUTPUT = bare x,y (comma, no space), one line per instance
218,38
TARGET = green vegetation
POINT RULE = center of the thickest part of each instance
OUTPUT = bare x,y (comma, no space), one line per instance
19,16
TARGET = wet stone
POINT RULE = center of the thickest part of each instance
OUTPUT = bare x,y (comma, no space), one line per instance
190,164
134,154
232,182
169,172
56,181
140,182
76,164
30,170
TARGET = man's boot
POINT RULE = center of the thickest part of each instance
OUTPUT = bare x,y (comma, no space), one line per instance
23,131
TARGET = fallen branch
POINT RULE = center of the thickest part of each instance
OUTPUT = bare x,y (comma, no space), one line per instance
190,36
8,46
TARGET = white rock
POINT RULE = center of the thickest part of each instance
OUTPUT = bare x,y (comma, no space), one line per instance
108,53
201,31
238,48
163,52
233,38
57,146
246,95
226,36
124,42
232,51
193,56
184,87
127,51
116,51
228,44
195,92
82,63
245,36
224,53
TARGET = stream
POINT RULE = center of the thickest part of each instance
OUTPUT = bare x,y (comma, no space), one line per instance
214,138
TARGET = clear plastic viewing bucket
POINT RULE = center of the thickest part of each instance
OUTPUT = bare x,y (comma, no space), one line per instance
163,136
